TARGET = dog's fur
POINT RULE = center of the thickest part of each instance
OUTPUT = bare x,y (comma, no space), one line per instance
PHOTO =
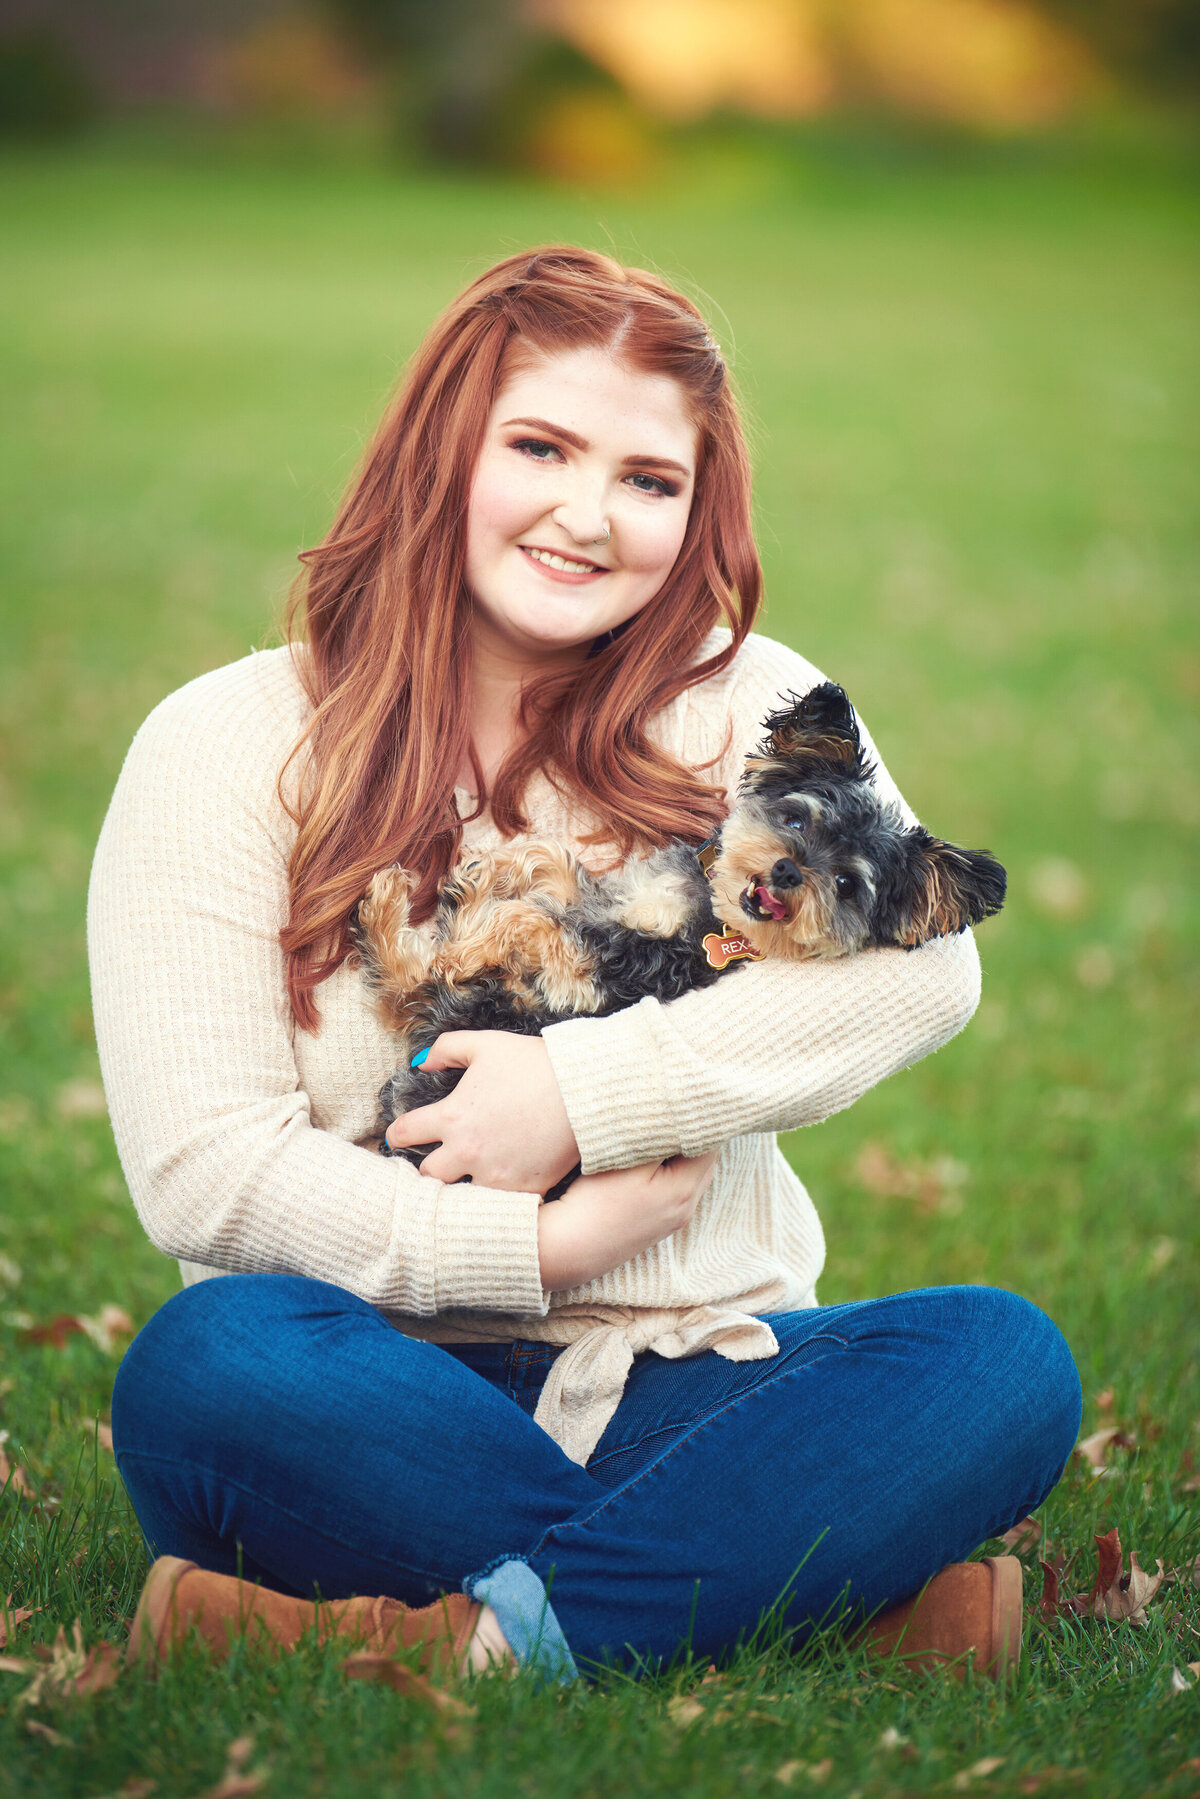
809,863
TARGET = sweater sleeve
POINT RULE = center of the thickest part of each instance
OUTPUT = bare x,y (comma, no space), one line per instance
775,1045
214,1130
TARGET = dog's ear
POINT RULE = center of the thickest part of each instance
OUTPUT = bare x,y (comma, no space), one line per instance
947,889
821,723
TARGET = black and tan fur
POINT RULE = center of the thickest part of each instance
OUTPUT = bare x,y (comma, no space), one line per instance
810,862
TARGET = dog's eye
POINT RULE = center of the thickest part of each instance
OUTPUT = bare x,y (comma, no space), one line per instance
845,885
795,824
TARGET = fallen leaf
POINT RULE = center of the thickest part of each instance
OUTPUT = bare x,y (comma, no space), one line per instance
13,1474
1023,1537
684,1710
891,1739
1121,1597
820,1771
55,1331
371,1665
935,1186
80,1099
787,1772
1180,1682
55,1738
12,1617
238,1781
6,1386
65,1670
109,1323
1105,1399
977,1771
1033,1783
1094,1449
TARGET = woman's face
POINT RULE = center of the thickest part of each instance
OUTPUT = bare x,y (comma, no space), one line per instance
577,443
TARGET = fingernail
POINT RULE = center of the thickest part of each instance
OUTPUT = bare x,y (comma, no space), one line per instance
420,1059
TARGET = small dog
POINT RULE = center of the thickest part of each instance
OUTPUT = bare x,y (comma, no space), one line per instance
809,863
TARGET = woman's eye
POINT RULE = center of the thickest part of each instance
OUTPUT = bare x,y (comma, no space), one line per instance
652,484
537,448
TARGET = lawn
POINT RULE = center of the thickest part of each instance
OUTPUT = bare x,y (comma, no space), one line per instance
972,395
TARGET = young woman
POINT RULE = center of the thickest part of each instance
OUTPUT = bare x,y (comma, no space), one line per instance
514,627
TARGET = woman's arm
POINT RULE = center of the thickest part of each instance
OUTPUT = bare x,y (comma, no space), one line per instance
196,1039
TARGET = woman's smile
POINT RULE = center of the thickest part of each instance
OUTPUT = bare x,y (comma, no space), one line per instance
562,568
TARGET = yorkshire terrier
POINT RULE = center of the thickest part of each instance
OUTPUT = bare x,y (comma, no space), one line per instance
810,862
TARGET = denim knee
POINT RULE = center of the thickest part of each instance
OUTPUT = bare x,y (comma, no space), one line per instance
193,1359
1015,1340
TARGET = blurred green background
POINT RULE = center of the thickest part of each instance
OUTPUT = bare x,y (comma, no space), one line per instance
961,315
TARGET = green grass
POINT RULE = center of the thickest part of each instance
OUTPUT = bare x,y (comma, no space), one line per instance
973,402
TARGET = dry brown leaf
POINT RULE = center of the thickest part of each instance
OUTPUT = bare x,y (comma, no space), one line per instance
55,1738
786,1772
54,1331
934,1186
819,1772
1180,1682
65,1670
238,1781
6,1386
12,1617
1094,1449
1188,1575
14,1473
110,1323
979,1770
371,1665
1121,1597
684,1710
1106,1399
892,1739
1033,1783
1023,1538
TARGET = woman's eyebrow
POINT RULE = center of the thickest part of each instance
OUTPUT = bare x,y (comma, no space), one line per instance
570,437
581,443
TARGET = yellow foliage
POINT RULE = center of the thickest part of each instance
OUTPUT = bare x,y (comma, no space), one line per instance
993,63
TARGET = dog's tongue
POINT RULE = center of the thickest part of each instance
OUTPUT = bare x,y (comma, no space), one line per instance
766,899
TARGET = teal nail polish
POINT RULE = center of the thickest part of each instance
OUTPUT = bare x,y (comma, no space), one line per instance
420,1059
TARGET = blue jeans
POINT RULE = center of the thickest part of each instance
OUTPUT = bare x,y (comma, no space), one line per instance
282,1425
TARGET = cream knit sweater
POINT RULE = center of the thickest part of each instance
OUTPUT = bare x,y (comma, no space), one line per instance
241,1136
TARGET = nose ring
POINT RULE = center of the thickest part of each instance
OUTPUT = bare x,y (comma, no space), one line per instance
607,534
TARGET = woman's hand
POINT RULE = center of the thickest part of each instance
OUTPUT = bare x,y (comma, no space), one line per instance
604,1219
505,1124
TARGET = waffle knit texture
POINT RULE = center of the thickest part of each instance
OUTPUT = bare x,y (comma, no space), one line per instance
245,1141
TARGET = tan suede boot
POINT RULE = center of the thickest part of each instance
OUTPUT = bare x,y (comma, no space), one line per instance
968,1607
179,1597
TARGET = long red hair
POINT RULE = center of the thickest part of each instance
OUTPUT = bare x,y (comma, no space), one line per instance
387,612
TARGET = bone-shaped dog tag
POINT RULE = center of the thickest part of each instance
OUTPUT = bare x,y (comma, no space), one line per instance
729,947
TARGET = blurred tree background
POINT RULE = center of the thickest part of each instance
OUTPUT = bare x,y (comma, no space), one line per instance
591,88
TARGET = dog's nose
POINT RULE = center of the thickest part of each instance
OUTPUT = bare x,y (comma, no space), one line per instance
786,874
